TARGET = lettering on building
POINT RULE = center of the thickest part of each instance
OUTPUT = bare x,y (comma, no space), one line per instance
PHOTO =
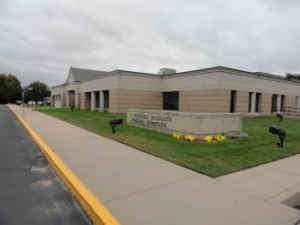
151,121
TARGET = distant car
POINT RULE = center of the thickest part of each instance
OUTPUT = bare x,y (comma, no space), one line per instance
19,102
47,101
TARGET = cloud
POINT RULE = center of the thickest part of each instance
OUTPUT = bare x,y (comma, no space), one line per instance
40,40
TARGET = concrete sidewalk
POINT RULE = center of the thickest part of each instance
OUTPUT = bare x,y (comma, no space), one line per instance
141,189
273,182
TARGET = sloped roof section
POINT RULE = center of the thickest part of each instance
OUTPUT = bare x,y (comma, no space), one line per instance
81,75
263,74
228,69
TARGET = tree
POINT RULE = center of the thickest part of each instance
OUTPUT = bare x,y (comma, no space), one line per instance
10,89
293,76
36,91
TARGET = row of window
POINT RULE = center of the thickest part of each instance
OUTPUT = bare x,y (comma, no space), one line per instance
171,101
256,105
254,100
97,98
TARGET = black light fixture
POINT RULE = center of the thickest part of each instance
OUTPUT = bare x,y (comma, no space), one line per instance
113,123
281,134
280,116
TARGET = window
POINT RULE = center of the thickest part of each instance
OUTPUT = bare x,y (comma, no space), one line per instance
79,101
274,103
282,105
258,102
250,101
97,99
88,100
171,100
232,101
71,95
106,99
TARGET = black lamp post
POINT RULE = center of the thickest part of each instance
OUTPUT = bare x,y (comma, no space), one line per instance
280,116
281,134
113,123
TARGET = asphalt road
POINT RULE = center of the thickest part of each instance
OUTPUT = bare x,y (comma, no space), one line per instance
30,191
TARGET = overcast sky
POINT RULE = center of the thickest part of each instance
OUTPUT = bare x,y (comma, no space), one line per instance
40,40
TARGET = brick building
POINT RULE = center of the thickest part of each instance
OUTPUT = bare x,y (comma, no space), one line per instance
216,89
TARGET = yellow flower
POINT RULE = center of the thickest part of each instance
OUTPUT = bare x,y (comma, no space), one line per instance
220,138
176,135
189,138
208,139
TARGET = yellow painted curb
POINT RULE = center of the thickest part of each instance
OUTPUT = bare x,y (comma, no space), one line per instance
91,205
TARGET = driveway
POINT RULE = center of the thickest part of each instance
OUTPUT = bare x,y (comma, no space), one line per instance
30,192
139,188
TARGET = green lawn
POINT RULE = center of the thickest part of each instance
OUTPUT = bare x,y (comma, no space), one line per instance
212,159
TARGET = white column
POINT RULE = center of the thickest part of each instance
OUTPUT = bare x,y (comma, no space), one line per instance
101,99
76,100
278,103
253,101
83,105
93,101
67,100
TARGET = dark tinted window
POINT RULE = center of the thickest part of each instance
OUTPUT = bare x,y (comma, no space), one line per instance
106,99
274,103
250,101
258,102
171,100
282,106
232,101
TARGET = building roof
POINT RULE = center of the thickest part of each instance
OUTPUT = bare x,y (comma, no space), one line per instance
229,69
208,69
81,75
224,68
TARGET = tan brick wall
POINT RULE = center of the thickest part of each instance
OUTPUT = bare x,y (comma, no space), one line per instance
266,103
87,101
242,101
82,102
291,101
242,104
64,100
121,100
229,80
214,100
210,100
114,100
